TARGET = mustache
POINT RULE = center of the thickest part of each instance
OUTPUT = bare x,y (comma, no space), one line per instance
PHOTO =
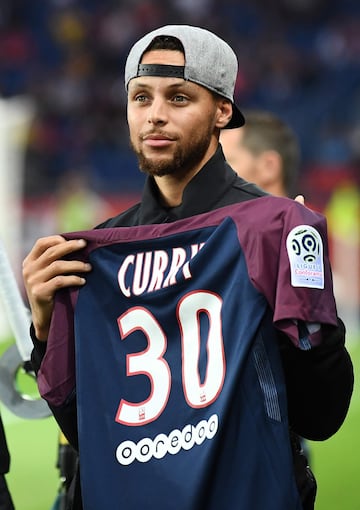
157,133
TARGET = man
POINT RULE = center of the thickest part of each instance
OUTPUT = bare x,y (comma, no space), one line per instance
186,314
264,151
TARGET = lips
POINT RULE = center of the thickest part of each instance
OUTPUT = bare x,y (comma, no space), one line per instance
157,140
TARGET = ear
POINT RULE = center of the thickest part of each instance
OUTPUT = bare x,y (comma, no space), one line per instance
224,112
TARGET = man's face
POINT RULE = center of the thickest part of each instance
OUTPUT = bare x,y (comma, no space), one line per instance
241,159
264,169
171,121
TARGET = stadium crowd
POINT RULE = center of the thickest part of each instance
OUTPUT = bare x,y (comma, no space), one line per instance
299,59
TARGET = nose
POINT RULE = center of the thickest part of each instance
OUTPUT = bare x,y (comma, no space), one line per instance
157,111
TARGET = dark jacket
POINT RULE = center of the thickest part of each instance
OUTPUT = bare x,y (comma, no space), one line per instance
4,451
6,502
319,381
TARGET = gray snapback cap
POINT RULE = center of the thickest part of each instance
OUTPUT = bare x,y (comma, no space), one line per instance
209,61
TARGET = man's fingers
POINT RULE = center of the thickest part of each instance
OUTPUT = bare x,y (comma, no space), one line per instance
53,247
43,291
46,269
64,267
43,280
300,199
46,259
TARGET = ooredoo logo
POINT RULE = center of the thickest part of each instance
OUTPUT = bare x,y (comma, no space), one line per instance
128,451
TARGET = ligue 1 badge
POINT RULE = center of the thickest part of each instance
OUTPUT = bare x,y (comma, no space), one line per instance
305,250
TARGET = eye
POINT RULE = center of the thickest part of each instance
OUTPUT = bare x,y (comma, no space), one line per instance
141,98
180,98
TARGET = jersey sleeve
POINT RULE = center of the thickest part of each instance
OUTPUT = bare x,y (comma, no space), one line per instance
288,260
56,376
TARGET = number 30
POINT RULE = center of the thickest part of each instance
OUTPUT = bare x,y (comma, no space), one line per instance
152,363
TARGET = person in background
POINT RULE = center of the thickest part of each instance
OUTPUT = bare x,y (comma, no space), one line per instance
190,362
264,151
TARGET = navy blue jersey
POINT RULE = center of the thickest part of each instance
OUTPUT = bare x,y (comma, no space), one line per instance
180,392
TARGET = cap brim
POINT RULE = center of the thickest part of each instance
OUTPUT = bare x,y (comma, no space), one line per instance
237,119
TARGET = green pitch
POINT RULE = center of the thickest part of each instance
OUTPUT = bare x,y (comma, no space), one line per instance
34,478
33,444
336,462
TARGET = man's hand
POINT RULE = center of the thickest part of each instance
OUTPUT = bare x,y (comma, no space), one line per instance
300,199
45,271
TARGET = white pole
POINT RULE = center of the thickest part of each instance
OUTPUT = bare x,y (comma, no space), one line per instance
16,312
15,117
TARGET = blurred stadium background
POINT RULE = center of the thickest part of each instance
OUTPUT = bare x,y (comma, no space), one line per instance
65,163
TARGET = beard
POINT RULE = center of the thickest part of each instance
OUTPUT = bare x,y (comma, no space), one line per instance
182,161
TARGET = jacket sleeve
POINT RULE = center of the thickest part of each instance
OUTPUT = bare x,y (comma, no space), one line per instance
319,383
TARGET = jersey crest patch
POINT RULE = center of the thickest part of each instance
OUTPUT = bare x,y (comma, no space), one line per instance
305,250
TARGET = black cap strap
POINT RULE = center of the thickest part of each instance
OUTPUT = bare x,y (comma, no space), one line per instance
160,70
